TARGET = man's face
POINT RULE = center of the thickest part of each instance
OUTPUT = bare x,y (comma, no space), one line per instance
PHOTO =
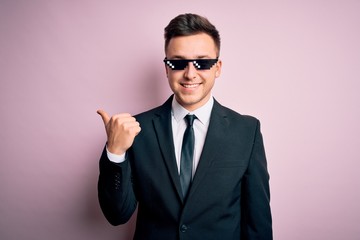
192,86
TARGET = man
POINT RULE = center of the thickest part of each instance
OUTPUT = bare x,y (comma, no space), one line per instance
203,178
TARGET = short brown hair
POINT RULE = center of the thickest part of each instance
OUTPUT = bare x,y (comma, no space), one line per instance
190,24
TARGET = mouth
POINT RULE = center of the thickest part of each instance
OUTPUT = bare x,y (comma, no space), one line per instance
193,85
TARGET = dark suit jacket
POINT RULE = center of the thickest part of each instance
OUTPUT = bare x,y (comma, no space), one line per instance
229,196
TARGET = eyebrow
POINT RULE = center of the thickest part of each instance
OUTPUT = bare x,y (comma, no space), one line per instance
197,57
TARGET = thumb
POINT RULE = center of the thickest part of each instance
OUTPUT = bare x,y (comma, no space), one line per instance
105,117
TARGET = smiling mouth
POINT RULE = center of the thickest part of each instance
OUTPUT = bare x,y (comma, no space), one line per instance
194,85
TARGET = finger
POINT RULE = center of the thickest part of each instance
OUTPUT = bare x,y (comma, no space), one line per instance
132,126
138,131
136,127
105,117
123,117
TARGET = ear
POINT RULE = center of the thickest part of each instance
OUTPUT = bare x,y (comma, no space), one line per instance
218,69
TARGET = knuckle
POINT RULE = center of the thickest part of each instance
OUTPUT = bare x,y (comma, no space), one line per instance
113,119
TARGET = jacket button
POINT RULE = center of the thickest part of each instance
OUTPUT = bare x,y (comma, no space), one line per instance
183,228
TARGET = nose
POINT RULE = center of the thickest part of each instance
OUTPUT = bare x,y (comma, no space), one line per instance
190,72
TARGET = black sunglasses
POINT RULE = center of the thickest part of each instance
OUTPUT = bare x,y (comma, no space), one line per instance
181,64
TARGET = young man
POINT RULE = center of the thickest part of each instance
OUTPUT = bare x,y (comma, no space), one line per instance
201,178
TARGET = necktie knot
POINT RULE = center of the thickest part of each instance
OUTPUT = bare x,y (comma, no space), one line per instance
190,119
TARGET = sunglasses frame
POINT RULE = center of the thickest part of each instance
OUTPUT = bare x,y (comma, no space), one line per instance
199,64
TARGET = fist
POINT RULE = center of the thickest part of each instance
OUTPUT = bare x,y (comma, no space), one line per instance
121,130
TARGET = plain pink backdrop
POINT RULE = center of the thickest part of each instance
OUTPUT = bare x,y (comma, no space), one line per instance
293,64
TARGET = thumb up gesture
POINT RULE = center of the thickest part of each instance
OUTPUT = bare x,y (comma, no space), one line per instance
121,130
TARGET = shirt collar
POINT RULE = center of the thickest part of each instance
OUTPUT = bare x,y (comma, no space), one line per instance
203,113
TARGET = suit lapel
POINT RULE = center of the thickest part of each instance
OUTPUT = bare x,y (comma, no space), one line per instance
162,126
217,131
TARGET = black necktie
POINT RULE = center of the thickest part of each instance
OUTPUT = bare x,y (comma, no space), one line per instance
187,154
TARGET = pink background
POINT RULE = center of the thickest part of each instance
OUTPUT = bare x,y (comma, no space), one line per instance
293,64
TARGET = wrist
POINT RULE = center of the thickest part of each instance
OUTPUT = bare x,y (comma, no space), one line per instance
115,150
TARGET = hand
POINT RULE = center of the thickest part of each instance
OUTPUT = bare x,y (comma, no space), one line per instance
121,130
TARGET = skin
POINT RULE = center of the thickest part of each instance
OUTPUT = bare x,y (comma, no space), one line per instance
121,130
191,88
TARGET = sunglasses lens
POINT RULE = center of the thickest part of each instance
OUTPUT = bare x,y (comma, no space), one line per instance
204,64
176,64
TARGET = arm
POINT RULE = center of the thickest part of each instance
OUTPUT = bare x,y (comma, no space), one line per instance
256,213
115,192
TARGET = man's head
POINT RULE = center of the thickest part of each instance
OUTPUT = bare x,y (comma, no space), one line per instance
192,47
191,24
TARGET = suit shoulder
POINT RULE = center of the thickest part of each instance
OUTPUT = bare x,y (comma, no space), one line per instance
232,115
148,113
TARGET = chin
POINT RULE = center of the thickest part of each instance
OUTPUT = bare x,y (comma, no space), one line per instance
190,103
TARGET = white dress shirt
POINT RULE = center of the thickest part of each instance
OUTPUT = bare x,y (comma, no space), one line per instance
178,124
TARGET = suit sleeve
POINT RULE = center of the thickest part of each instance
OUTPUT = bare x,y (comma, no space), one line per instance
256,213
115,191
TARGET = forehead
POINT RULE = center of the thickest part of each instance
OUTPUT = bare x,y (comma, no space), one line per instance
193,46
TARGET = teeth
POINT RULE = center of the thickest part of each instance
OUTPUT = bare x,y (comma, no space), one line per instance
190,85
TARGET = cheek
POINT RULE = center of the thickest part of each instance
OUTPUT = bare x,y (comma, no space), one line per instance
172,80
209,76
174,76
